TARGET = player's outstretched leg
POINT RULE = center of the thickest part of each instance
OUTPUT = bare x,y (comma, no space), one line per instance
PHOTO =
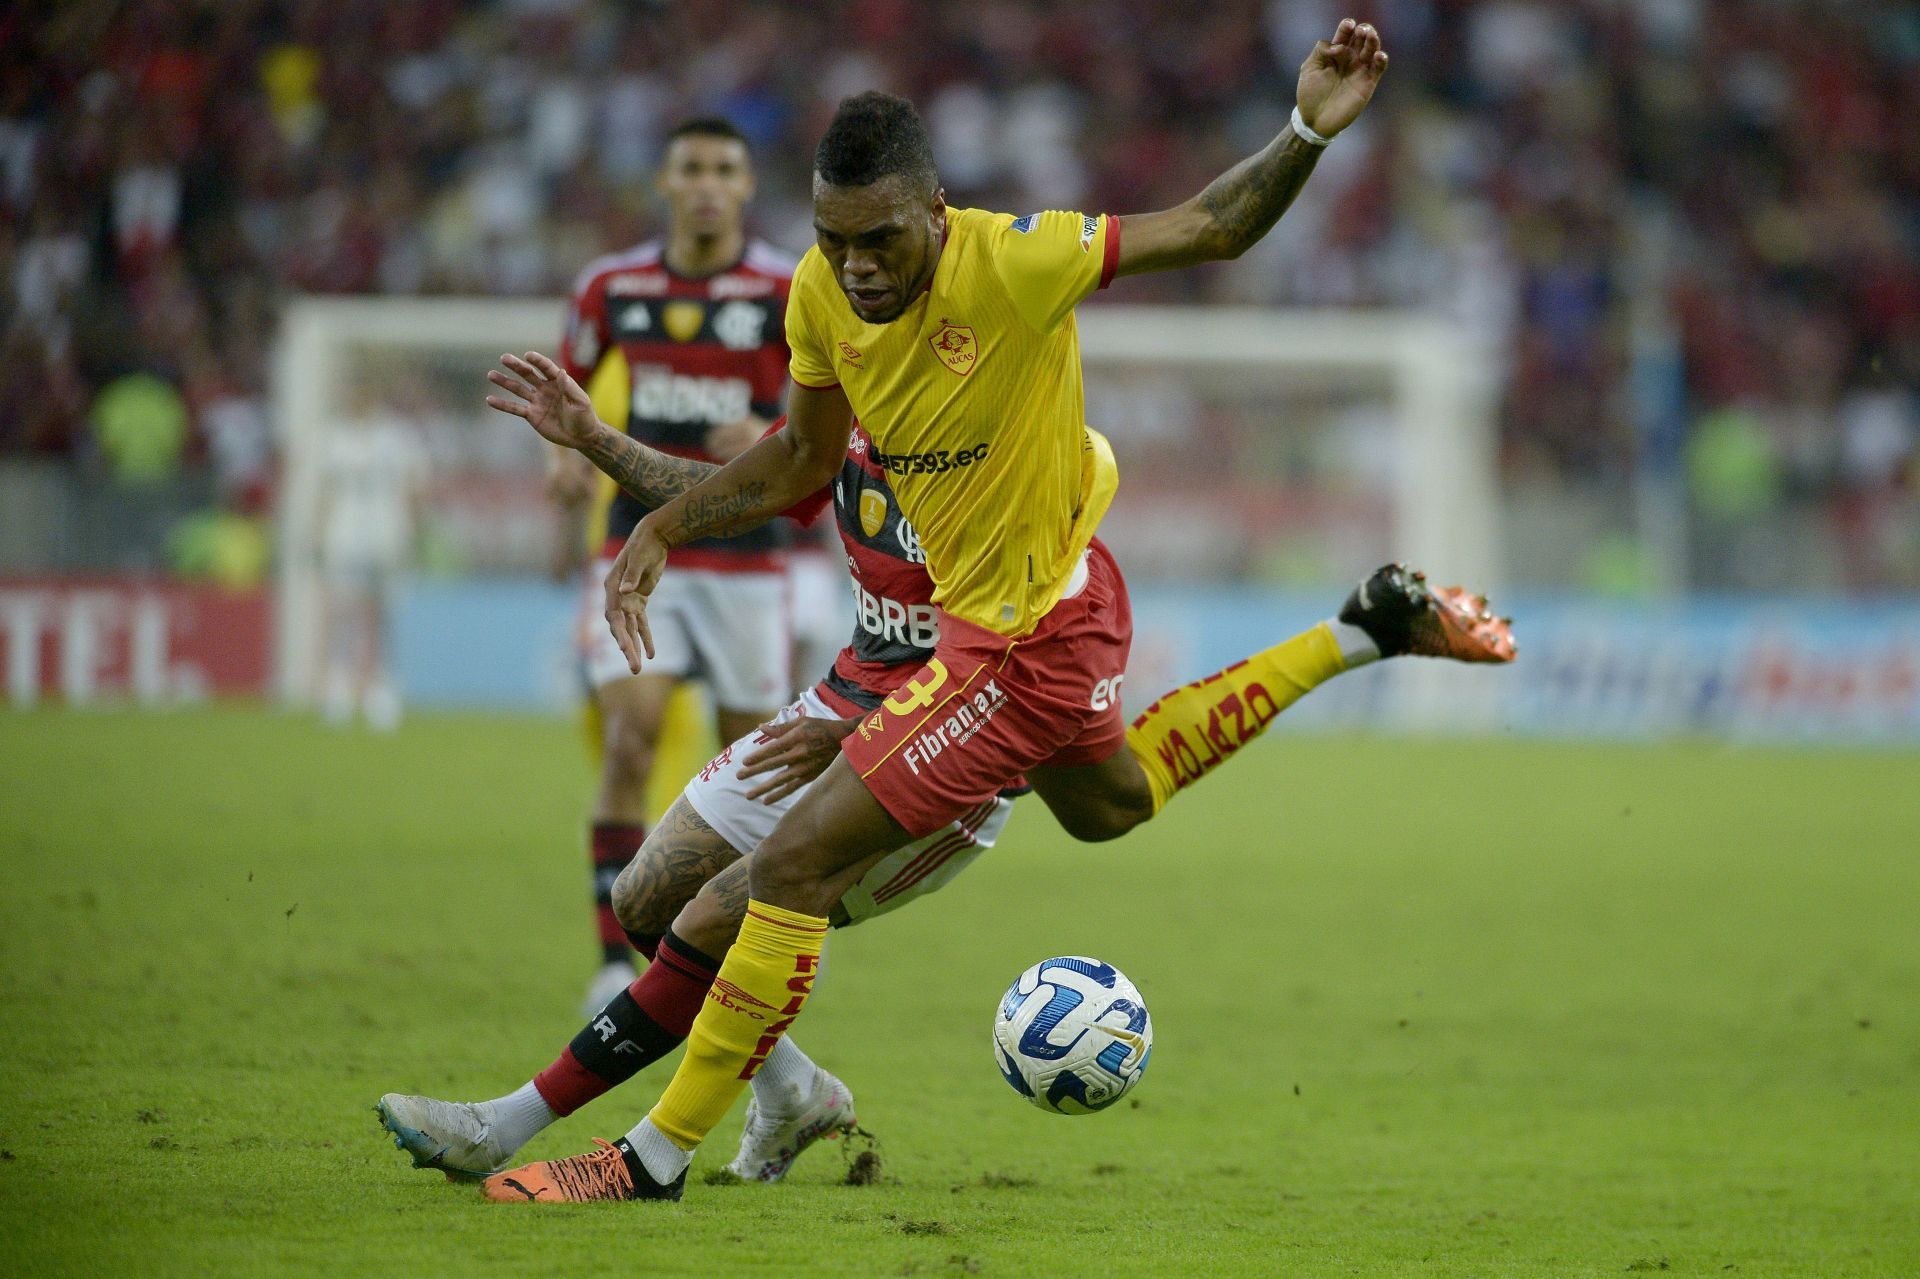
641,1022
637,1025
795,1102
1191,731
1187,733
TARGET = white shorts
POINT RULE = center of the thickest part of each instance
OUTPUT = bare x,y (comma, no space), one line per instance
719,795
733,630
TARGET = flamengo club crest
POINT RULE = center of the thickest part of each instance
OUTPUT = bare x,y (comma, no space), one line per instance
955,346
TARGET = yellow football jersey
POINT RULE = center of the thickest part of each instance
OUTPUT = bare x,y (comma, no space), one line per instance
974,403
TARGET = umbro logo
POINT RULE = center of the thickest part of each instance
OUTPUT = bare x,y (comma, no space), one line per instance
743,996
728,995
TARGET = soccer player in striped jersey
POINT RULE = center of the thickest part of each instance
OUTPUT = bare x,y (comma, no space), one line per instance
680,341
683,897
949,334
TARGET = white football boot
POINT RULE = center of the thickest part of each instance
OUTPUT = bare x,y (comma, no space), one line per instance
455,1137
772,1142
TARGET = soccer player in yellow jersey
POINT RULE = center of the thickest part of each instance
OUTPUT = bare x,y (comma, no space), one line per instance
950,333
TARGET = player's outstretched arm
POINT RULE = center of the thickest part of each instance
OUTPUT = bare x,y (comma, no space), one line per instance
553,403
1241,205
791,464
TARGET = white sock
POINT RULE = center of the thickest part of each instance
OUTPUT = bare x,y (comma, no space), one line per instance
1356,646
784,1079
519,1115
663,1160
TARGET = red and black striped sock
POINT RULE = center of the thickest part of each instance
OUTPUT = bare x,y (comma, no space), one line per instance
614,844
639,1026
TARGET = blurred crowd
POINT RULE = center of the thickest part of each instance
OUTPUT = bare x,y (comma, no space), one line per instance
1691,228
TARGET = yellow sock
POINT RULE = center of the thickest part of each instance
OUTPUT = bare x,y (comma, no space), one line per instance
760,990
1192,730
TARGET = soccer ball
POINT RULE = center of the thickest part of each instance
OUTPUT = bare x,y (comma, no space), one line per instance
1072,1035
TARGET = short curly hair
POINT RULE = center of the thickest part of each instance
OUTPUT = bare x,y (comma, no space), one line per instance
875,135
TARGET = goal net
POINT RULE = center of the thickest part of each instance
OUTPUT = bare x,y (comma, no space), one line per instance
1268,459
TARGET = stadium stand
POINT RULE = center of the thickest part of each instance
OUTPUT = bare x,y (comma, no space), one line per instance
1697,230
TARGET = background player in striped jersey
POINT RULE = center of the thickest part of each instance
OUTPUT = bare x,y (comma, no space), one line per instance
680,343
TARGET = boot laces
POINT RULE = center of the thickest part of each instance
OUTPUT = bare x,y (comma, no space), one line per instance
1459,625
599,1174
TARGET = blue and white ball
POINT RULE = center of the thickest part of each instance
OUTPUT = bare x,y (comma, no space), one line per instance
1072,1035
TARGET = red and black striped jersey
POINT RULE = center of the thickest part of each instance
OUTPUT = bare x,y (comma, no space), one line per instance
896,624
682,355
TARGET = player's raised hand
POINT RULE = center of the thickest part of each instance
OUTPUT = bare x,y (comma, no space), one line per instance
635,572
1338,78
550,400
800,748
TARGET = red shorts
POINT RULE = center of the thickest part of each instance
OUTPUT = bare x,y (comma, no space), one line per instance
986,709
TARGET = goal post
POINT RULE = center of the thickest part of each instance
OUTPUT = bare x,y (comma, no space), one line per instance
1259,449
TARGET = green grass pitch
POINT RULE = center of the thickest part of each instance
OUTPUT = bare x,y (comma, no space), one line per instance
1420,1008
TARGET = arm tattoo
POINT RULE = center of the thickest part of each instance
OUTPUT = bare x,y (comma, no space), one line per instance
718,514
1246,200
681,854
654,477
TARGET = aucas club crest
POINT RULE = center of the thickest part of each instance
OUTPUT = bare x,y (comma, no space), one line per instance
955,346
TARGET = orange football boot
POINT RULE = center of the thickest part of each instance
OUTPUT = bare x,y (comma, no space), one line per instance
609,1171
1405,616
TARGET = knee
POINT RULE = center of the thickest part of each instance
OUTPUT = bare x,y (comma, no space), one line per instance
1097,825
630,901
1110,818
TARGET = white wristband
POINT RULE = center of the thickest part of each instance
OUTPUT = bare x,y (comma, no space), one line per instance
1306,135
